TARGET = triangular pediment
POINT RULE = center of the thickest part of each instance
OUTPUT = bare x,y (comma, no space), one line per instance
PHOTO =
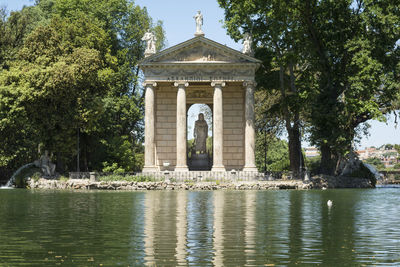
199,50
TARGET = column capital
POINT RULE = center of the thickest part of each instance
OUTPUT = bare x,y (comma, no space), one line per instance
249,83
151,83
181,83
218,83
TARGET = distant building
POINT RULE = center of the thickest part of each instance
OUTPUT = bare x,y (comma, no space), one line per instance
387,155
311,152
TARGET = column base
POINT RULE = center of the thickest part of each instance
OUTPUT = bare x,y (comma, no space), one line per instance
250,169
181,169
218,169
150,169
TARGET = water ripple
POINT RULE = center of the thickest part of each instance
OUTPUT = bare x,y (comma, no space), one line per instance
220,228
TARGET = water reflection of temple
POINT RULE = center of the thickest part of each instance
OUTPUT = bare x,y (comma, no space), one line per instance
239,228
194,227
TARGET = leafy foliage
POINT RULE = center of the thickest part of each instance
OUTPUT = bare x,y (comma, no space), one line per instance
376,162
342,56
277,158
68,69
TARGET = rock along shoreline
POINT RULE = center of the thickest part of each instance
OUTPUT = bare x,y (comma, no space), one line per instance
317,182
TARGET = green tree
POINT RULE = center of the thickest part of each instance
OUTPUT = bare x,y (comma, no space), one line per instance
18,138
14,28
376,162
353,47
58,80
397,147
348,51
284,70
277,154
74,72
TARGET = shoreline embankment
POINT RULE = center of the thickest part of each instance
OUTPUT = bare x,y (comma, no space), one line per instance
317,182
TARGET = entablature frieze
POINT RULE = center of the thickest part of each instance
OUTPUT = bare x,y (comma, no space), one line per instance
202,74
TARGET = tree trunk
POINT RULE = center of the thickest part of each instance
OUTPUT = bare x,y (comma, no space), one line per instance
327,163
84,152
60,166
265,150
293,131
295,155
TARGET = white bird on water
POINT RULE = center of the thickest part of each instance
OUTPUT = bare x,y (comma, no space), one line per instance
329,203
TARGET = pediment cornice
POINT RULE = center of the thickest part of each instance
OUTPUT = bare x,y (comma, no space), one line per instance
199,51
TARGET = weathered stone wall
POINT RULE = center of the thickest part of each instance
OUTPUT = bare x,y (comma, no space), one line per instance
165,125
317,182
85,184
233,97
326,182
233,116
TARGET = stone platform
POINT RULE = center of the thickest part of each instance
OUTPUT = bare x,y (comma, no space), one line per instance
200,162
86,184
317,182
204,175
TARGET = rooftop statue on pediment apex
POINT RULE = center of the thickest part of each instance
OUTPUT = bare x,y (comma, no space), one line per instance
199,22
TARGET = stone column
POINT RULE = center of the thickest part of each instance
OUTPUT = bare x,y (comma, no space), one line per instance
218,128
149,131
250,134
181,153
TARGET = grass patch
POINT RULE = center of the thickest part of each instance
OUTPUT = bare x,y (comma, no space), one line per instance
63,179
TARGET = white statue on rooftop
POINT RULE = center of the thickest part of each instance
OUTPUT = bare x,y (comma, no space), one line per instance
199,22
150,39
247,44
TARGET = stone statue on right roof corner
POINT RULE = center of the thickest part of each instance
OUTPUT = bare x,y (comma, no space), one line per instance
247,44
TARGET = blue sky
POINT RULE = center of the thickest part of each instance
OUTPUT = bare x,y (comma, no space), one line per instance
177,16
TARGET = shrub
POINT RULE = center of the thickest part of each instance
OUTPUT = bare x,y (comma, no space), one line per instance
36,176
313,165
63,178
112,168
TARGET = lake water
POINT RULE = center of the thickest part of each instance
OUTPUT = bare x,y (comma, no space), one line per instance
205,228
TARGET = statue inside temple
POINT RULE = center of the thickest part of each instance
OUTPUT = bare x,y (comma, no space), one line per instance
200,134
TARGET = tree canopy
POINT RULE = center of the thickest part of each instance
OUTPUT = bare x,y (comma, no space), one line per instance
69,70
342,57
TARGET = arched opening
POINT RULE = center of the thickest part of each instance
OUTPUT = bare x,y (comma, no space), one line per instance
199,137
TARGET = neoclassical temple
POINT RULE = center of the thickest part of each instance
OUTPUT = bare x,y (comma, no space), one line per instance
199,70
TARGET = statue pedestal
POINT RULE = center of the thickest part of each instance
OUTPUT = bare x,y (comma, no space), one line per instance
200,162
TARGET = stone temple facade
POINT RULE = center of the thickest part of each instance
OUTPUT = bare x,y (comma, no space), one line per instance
206,72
